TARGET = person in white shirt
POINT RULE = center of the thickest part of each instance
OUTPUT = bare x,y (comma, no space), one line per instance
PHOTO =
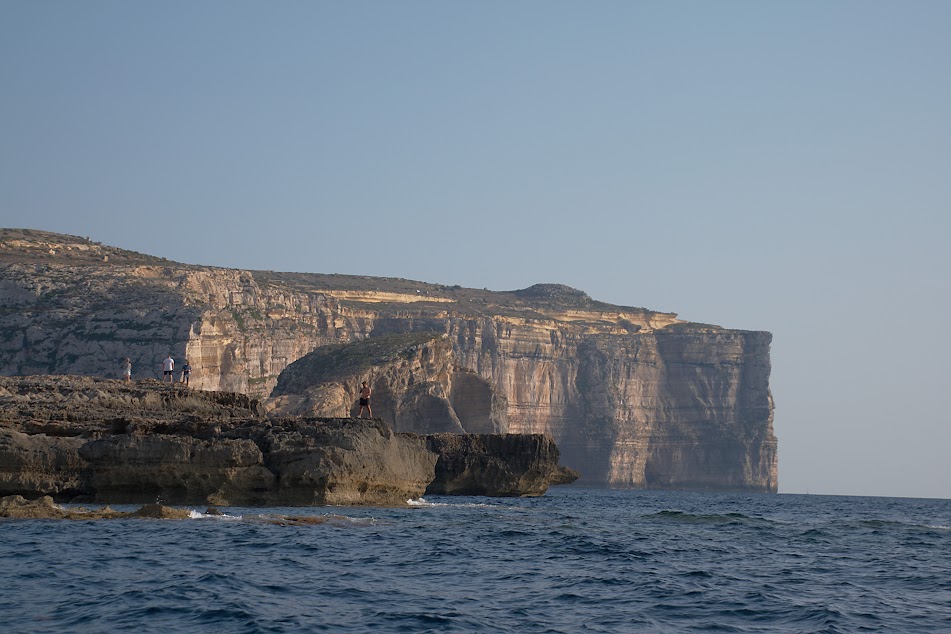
169,368
128,370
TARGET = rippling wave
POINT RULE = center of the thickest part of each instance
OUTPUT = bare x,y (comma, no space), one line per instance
573,560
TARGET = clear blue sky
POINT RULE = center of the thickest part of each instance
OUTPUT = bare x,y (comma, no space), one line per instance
781,166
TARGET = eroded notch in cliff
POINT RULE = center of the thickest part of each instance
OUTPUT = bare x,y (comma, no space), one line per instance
481,410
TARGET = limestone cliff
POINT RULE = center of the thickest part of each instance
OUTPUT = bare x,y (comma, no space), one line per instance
417,386
633,397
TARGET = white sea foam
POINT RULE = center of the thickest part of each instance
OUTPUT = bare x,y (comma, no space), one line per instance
278,518
197,515
359,521
422,503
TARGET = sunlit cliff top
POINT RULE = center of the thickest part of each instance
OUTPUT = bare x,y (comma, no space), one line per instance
556,301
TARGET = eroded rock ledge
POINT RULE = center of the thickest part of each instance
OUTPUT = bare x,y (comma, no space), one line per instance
494,464
19,508
80,439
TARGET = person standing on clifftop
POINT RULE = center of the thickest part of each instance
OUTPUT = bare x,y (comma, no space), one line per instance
186,372
365,401
168,366
127,372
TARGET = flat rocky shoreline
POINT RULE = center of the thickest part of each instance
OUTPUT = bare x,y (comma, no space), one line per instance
85,440
18,507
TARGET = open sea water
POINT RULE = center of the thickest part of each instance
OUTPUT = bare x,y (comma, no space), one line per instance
574,560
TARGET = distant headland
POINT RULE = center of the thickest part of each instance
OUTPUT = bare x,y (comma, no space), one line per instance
632,397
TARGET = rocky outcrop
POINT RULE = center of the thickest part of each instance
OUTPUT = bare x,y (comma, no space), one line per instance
498,465
306,463
31,464
18,507
104,441
82,439
633,397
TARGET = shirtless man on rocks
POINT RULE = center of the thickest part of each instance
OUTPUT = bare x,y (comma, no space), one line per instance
365,401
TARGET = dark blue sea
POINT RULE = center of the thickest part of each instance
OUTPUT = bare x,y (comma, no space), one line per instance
575,560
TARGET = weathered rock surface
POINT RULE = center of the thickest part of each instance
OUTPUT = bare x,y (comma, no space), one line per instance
490,464
633,397
18,507
416,385
99,440
94,440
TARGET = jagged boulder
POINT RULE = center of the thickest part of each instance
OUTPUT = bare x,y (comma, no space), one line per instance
496,464
18,507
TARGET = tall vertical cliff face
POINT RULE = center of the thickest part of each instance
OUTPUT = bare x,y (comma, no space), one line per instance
682,407
633,397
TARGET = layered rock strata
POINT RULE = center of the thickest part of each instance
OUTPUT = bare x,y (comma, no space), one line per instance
417,386
82,439
104,441
633,397
489,464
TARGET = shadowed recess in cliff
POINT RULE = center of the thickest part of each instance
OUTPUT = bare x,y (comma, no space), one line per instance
416,387
331,362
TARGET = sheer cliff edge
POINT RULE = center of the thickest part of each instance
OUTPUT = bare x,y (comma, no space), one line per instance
632,397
